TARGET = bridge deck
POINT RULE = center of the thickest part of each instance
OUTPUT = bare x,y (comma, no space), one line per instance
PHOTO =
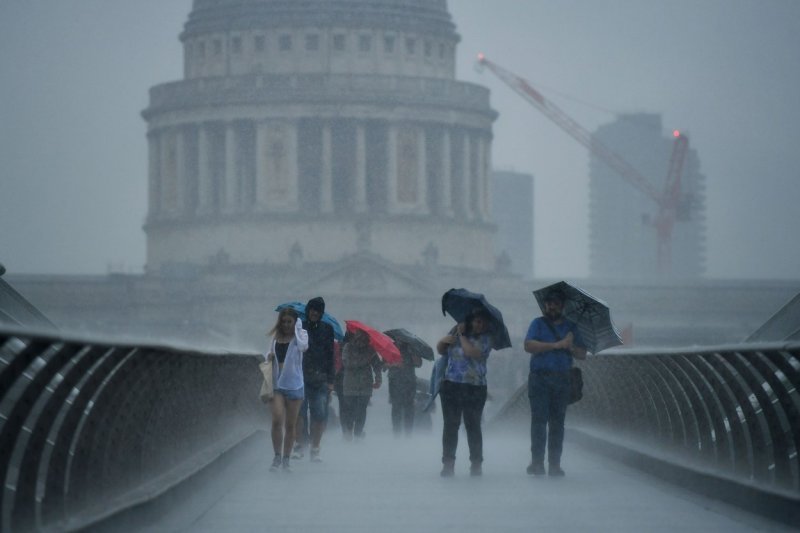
392,485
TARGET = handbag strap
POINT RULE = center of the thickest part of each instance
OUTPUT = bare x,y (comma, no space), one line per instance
552,329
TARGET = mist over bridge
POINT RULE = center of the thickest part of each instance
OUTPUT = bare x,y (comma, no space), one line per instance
127,436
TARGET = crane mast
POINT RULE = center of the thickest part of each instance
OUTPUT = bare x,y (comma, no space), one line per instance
667,200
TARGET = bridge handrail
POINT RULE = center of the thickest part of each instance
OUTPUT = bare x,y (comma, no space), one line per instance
85,421
734,409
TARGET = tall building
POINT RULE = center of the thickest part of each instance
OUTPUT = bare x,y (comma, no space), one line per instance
623,240
313,130
512,210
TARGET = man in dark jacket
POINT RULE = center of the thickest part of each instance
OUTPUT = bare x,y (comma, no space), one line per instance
318,376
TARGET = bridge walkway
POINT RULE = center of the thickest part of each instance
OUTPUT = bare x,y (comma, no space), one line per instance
392,484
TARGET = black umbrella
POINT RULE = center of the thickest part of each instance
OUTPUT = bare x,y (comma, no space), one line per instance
459,302
590,314
410,344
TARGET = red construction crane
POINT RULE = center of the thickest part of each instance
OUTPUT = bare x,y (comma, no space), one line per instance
671,204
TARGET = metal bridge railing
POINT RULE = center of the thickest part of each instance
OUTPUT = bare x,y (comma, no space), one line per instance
734,409
85,422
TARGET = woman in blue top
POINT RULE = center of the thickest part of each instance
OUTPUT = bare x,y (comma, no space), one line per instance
289,341
463,391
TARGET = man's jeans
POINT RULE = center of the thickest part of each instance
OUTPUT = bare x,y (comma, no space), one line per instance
315,401
548,393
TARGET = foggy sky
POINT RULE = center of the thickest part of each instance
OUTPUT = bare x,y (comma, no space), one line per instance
75,76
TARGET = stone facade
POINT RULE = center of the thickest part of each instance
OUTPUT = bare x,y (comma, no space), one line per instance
324,127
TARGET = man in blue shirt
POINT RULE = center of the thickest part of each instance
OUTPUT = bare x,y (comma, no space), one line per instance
553,341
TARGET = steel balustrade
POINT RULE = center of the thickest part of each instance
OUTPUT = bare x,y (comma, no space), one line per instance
85,422
734,409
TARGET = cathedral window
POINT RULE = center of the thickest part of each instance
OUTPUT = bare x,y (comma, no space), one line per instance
364,43
217,47
388,44
411,45
285,43
201,49
339,42
428,49
259,43
236,44
312,42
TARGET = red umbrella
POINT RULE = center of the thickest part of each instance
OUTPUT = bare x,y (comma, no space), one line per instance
381,343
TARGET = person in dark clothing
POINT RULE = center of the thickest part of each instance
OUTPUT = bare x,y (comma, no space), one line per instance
402,391
553,342
318,378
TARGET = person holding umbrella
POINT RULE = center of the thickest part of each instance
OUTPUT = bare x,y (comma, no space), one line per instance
553,341
403,379
318,375
362,374
463,389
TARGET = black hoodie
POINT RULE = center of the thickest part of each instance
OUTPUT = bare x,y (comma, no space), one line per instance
318,366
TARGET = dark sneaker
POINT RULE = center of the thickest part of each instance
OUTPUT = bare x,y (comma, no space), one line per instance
448,469
276,464
475,469
535,469
285,465
555,471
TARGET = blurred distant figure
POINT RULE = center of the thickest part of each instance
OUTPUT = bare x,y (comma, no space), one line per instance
338,384
402,392
362,374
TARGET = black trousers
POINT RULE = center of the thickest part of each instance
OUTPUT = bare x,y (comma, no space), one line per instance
462,401
355,408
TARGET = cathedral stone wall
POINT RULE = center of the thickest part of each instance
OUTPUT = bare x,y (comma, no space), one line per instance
300,125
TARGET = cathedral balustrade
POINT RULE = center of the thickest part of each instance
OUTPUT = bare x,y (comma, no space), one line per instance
88,427
731,410
332,88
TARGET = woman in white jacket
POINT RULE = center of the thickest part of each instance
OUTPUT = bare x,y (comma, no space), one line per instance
289,341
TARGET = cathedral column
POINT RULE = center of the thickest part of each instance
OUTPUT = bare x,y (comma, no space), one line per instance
154,173
361,169
326,179
167,173
480,179
466,178
262,175
391,168
446,177
422,170
487,177
204,178
181,171
231,179
292,153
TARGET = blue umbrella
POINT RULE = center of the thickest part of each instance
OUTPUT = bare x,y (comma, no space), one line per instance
459,302
300,307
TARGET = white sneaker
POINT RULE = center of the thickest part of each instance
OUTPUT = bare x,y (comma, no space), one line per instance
298,452
276,464
315,455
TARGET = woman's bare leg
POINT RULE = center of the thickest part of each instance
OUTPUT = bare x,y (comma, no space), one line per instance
278,410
